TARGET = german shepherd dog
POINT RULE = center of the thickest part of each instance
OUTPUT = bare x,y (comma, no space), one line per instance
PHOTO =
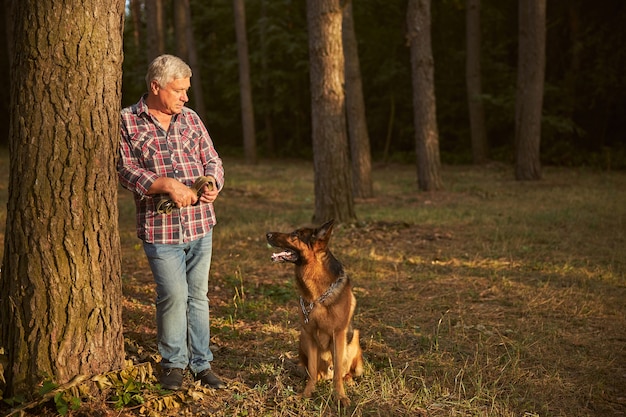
329,347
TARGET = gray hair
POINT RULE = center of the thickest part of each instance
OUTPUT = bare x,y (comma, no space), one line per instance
166,68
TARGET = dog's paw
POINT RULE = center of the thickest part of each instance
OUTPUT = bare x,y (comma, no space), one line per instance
348,380
345,401
308,390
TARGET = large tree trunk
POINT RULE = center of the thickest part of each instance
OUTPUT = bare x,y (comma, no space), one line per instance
247,111
357,124
530,80
333,184
61,307
186,50
474,85
424,105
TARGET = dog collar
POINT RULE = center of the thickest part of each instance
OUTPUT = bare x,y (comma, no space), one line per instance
306,310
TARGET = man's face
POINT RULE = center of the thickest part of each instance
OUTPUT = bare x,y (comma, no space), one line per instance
173,96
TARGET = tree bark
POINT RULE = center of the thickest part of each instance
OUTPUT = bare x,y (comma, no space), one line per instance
247,111
6,45
424,103
333,183
474,84
61,307
530,82
355,104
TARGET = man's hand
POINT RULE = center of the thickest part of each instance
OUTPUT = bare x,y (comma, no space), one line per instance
180,194
209,194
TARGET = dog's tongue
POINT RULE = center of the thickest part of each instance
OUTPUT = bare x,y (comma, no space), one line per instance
284,256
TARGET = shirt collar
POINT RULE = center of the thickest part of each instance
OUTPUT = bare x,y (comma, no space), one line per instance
142,107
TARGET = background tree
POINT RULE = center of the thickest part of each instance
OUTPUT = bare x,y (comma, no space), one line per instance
182,22
247,110
134,7
530,83
186,50
424,103
333,187
360,154
155,28
474,83
264,75
61,307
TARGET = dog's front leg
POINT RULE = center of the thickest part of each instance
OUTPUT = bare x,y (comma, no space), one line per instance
310,349
339,345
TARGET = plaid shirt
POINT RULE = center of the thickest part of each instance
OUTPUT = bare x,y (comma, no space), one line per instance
184,152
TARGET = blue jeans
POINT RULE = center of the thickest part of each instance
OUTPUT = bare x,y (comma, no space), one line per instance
181,274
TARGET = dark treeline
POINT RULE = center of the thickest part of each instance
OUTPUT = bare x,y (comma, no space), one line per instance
585,90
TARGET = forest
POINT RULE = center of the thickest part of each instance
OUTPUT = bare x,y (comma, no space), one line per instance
584,97
491,295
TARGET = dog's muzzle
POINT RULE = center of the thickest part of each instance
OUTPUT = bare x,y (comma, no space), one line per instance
286,255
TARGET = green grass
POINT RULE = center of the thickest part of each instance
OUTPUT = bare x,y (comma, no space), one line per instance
490,298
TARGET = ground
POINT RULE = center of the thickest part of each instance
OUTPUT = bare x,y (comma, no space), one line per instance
492,297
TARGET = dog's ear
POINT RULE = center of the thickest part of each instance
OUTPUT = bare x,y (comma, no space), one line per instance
324,231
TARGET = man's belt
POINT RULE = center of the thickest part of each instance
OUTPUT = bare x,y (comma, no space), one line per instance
167,205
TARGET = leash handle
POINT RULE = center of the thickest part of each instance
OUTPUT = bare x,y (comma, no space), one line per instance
201,182
166,206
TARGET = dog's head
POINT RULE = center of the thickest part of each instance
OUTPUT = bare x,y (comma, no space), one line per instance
300,244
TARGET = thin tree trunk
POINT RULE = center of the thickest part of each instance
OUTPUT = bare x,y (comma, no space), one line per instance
155,29
247,111
267,87
530,81
61,307
180,29
390,123
186,50
474,85
135,12
333,183
355,104
424,104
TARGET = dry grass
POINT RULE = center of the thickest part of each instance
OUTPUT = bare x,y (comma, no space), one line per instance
491,298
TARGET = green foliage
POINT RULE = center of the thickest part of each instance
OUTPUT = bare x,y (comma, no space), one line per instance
64,403
15,401
47,386
128,394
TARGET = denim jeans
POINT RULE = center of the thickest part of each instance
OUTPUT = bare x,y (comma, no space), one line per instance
181,274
